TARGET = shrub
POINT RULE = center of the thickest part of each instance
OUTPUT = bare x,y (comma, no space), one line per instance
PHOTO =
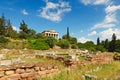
74,46
39,44
64,44
3,39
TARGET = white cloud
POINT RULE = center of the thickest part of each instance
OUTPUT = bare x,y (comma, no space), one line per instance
54,11
103,25
107,34
24,12
92,33
83,40
110,19
98,2
16,28
112,8
95,2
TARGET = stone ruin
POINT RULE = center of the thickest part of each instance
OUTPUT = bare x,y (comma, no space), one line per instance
28,71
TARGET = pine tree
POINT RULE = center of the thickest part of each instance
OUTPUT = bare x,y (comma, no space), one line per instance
24,30
2,25
98,41
106,44
112,43
68,35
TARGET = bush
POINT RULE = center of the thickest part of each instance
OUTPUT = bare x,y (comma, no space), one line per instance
74,46
39,44
3,39
50,41
100,48
64,44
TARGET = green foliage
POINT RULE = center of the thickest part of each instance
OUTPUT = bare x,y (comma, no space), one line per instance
73,40
74,46
31,33
88,45
98,41
64,44
117,46
112,43
3,39
100,48
38,44
2,25
24,30
50,41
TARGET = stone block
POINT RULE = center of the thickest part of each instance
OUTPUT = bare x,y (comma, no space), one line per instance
9,72
36,68
49,67
41,73
20,71
24,75
48,71
2,73
29,70
5,62
3,78
14,77
42,68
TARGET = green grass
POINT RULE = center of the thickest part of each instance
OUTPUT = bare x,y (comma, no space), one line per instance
111,70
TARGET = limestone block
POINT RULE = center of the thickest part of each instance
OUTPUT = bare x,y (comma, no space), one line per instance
55,67
41,73
29,70
49,67
20,71
48,71
9,72
36,68
24,75
14,77
3,78
42,68
2,73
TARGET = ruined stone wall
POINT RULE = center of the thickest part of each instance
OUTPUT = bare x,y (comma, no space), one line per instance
27,71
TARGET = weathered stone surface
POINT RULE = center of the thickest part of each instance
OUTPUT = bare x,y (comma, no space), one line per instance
9,72
36,68
48,71
3,78
24,75
42,68
29,70
6,62
26,71
14,77
2,73
41,73
20,71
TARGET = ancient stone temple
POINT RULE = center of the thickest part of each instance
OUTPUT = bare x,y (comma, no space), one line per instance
51,33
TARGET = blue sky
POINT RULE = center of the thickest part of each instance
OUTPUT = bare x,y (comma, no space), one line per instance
86,19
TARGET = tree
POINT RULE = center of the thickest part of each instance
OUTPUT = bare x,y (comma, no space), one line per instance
100,48
106,44
64,44
112,43
98,41
24,30
73,40
68,35
2,25
50,41
31,33
9,29
117,46
39,35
